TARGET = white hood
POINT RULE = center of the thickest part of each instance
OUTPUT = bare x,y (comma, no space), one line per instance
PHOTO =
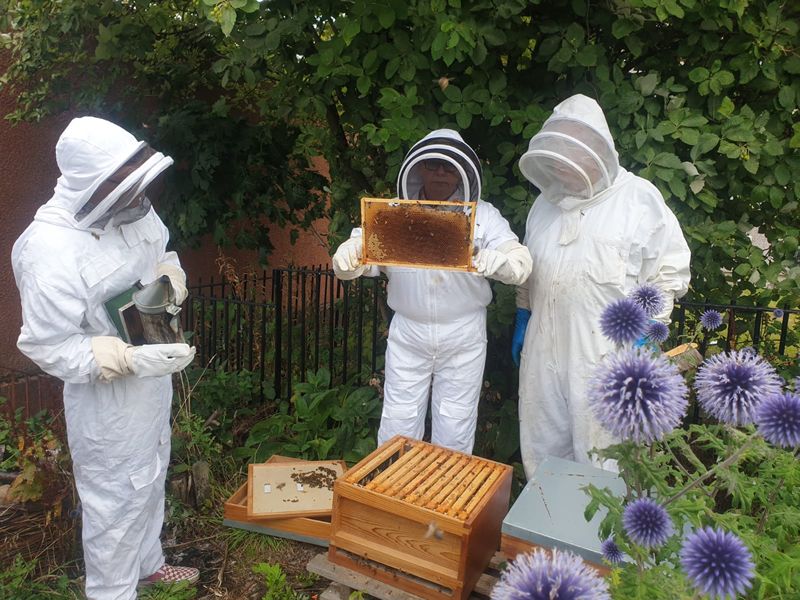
573,154
444,144
87,153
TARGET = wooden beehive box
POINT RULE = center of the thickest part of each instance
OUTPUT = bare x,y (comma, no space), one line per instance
427,234
431,514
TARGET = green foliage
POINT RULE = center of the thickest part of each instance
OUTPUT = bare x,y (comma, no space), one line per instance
701,98
320,422
278,587
175,591
707,475
19,583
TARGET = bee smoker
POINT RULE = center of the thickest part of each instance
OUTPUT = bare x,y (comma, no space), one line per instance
159,312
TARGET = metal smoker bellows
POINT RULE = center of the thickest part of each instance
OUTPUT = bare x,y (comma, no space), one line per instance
159,312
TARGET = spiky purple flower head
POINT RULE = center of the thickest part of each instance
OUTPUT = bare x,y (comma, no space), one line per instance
557,576
777,313
717,563
711,320
611,551
647,523
650,298
730,385
638,396
657,332
778,419
623,321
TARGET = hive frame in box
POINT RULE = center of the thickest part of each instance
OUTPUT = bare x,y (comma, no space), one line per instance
367,205
258,473
312,530
431,514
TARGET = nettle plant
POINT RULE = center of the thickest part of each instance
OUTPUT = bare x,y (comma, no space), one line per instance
712,509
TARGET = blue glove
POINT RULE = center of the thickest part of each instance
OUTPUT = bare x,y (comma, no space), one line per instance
520,325
645,340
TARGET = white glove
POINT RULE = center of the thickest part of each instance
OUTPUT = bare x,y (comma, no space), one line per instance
511,263
155,360
347,260
109,354
177,278
488,262
117,359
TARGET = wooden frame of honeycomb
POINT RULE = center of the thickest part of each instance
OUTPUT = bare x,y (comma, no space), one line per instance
425,234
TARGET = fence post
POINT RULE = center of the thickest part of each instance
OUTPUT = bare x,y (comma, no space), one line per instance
277,296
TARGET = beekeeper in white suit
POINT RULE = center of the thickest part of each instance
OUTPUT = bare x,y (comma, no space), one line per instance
439,328
95,238
595,232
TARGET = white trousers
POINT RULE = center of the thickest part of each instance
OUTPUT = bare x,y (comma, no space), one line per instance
444,362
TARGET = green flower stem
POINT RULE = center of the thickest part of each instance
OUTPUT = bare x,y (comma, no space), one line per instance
724,464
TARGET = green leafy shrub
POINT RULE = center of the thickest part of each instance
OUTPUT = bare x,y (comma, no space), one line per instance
318,423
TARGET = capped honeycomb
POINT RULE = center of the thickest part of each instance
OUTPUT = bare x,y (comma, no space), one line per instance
418,233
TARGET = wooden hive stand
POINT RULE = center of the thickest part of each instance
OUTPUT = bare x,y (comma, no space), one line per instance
432,515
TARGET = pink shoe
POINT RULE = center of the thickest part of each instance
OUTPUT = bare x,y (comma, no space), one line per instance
169,574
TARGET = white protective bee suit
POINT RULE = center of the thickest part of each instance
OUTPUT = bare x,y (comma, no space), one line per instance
116,398
595,232
438,332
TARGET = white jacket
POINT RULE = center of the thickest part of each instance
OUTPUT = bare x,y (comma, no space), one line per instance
118,431
588,250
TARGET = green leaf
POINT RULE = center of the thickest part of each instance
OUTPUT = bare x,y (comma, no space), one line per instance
350,30
792,64
363,84
227,19
587,56
669,160
698,74
386,15
622,27
647,84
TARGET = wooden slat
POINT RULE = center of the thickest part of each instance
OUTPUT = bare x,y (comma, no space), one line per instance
391,470
422,467
371,463
468,490
442,481
437,502
424,482
496,473
322,566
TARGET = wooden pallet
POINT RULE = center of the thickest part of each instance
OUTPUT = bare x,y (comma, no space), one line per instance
344,580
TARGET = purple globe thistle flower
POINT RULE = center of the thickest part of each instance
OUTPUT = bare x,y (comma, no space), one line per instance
717,563
711,320
748,350
638,396
647,523
650,298
730,386
540,576
778,419
611,551
657,332
777,313
623,321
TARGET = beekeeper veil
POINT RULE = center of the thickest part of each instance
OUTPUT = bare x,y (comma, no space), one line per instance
444,145
104,174
573,156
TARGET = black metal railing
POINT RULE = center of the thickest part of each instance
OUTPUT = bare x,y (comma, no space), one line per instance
770,331
286,322
289,321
